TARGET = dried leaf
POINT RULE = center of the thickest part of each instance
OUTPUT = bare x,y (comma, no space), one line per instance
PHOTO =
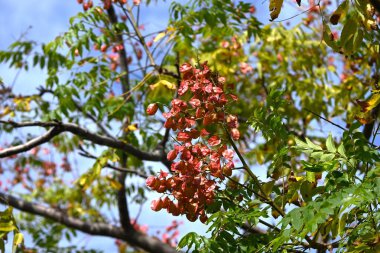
165,83
275,8
159,36
339,12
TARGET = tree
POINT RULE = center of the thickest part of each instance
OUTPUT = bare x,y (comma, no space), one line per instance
238,112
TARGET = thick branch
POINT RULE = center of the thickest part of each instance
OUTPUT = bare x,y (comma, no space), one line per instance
122,204
94,228
30,144
59,127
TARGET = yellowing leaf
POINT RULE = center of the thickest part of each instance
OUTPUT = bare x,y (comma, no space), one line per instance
260,157
159,36
171,32
275,8
6,111
82,180
369,104
131,128
79,210
163,83
88,178
310,176
370,24
267,187
22,104
364,118
339,12
17,240
7,226
114,183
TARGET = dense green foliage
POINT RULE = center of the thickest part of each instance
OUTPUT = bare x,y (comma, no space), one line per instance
306,174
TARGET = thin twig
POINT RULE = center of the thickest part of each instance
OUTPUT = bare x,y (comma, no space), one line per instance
85,153
321,117
128,12
253,176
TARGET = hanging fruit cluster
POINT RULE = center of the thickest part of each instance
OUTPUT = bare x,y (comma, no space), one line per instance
200,159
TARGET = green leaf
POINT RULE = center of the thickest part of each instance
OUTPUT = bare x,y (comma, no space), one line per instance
348,30
348,35
342,224
358,38
300,144
317,154
342,150
327,157
312,145
310,176
330,144
185,240
306,190
17,240
335,227
267,187
328,37
313,167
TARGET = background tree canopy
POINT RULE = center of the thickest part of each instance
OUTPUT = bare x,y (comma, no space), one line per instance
265,132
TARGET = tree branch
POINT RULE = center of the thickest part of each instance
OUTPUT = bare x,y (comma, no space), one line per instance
52,132
122,203
88,115
129,14
131,18
59,127
261,194
131,236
